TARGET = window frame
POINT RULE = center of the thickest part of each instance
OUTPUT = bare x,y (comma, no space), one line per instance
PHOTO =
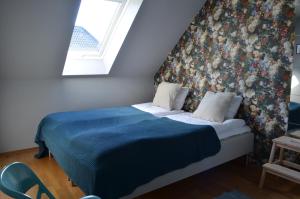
112,25
100,63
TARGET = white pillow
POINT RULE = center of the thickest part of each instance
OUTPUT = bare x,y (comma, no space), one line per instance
180,98
214,106
234,107
166,94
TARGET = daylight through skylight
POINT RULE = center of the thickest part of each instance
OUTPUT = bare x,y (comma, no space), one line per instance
100,29
94,23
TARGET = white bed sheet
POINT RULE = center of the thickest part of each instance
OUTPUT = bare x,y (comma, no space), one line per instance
155,110
224,130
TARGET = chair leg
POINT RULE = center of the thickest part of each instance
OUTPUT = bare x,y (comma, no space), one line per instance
262,179
273,150
281,155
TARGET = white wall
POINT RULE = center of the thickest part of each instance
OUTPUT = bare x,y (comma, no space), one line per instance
295,92
34,37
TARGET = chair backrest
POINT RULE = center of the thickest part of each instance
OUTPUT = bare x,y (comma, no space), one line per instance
90,197
17,178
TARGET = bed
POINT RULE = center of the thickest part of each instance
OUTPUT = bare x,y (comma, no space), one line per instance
135,149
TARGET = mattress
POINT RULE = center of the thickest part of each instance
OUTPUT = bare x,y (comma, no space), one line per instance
155,110
228,128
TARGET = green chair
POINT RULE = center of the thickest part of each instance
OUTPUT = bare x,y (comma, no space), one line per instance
17,178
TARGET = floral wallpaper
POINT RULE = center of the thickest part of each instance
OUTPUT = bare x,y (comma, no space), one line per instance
242,46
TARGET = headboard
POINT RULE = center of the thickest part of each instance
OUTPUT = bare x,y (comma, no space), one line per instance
241,46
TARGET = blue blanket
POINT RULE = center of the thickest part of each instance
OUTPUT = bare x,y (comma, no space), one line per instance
105,117
110,158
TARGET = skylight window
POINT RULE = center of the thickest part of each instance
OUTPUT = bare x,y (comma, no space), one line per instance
100,29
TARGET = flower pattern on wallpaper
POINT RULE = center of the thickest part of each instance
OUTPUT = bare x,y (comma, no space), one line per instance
242,46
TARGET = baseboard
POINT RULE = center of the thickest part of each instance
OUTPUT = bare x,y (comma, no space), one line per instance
33,149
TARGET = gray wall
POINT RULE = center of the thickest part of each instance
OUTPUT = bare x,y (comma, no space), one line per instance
34,37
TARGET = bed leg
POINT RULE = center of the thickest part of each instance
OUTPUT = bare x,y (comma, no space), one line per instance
73,184
245,160
50,155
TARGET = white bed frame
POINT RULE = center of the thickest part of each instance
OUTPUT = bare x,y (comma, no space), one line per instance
231,148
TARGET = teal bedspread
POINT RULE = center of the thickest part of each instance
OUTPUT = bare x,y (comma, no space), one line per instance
110,152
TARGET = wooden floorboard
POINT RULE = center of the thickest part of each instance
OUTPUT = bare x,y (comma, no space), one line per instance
207,185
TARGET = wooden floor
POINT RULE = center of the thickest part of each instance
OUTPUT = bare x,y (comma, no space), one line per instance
207,185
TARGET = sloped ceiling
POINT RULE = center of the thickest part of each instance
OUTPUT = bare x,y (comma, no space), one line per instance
35,35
